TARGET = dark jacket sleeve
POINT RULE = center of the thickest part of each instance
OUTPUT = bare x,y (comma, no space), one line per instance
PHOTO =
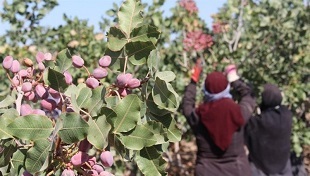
247,102
188,104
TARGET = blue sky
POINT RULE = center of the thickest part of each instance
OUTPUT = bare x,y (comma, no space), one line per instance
93,10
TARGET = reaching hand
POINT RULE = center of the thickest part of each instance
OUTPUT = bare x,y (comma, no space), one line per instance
231,73
196,71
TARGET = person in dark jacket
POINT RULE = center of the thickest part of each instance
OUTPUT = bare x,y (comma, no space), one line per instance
218,123
268,135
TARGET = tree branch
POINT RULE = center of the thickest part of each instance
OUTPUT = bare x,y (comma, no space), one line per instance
240,25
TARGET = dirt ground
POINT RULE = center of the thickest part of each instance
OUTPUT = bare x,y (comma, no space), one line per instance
307,158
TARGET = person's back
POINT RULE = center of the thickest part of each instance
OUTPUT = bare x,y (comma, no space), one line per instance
218,126
268,135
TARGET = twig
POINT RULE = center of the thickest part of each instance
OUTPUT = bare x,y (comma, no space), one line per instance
233,43
184,54
7,74
230,42
86,70
125,65
86,113
18,101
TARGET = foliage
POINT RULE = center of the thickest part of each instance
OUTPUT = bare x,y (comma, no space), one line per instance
133,119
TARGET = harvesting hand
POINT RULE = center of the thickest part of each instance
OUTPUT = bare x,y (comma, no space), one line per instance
196,71
231,73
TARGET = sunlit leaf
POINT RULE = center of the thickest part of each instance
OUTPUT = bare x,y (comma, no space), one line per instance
81,99
31,127
174,134
74,128
55,79
128,114
167,76
97,100
138,52
8,148
145,33
63,61
99,129
138,138
164,95
18,160
9,100
150,162
37,155
117,39
4,131
129,15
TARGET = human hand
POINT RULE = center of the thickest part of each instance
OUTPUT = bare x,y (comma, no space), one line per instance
231,73
196,70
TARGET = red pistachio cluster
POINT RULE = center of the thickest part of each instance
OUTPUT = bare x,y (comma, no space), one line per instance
189,5
197,41
89,164
125,82
27,79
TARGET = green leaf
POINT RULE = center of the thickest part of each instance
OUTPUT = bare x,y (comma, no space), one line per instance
9,100
97,100
72,89
167,76
138,52
129,15
164,95
55,79
173,133
117,39
138,138
150,162
83,97
121,149
74,128
112,101
8,148
31,127
99,129
9,113
37,155
128,114
18,160
118,59
51,64
158,130
63,61
152,61
4,131
154,108
145,33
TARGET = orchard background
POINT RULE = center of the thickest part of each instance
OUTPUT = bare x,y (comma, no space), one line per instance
267,39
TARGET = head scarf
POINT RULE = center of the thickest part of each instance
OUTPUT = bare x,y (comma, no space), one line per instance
268,134
219,114
271,96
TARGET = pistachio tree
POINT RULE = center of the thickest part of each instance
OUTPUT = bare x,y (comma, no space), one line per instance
53,125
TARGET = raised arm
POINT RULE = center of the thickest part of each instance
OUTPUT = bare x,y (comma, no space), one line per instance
189,99
188,104
247,102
